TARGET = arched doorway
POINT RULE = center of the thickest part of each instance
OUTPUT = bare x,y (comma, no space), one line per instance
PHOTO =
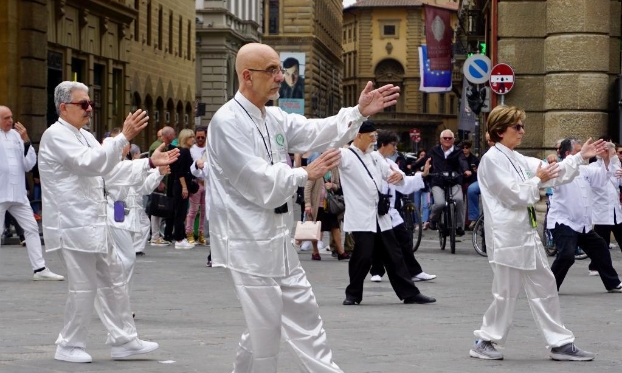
390,71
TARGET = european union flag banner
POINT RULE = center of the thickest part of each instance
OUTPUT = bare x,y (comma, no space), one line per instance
432,81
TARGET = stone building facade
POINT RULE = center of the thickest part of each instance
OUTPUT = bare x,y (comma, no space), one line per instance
372,53
221,29
566,56
312,27
104,45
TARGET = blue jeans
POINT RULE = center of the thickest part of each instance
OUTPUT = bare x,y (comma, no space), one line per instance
37,196
473,193
422,201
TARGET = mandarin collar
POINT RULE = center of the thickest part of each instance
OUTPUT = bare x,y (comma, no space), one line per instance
249,106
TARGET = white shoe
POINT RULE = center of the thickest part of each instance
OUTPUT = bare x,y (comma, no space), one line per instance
306,246
617,289
134,347
183,245
423,277
47,275
593,273
320,246
159,242
72,354
376,278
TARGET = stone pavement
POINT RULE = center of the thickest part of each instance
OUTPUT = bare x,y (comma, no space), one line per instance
193,313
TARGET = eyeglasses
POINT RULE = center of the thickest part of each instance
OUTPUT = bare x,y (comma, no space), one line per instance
393,143
83,104
518,127
200,137
274,71
448,138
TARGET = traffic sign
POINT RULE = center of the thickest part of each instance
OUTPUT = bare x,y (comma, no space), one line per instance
415,135
501,79
476,69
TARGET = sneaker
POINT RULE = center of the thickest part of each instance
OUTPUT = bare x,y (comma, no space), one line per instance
593,273
570,352
471,225
579,254
426,225
183,245
209,263
459,232
617,289
485,350
201,240
47,275
423,277
134,347
190,237
306,246
72,354
22,240
320,246
140,253
160,242
376,278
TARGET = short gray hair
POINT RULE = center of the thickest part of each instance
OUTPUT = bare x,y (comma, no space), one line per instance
63,92
134,149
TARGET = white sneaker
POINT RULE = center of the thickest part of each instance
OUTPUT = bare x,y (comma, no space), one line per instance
306,246
376,278
134,347
159,242
423,277
72,354
617,289
320,246
593,273
47,275
183,245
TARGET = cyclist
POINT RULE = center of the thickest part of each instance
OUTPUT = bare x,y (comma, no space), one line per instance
387,146
445,157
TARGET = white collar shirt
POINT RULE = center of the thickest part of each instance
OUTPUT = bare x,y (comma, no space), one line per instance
410,185
197,152
360,192
606,209
13,167
448,151
245,187
571,204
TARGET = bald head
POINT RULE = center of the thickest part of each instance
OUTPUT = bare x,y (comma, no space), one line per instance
259,72
254,56
168,135
6,118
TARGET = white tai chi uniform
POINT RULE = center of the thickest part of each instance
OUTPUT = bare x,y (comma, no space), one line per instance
13,167
253,241
71,164
509,186
130,236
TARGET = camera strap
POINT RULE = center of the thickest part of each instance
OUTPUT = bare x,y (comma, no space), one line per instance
366,169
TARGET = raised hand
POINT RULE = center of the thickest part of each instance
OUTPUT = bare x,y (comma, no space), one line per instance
395,177
591,149
319,167
200,164
548,172
134,123
22,131
373,101
426,167
160,158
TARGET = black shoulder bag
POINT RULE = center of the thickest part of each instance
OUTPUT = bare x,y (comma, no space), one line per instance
384,202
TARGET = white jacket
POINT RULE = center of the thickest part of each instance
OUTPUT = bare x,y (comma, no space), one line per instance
509,186
13,167
246,234
607,199
71,164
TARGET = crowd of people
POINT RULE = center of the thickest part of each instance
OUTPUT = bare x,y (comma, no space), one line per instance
240,177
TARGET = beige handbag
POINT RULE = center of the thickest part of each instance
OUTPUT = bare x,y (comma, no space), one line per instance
308,231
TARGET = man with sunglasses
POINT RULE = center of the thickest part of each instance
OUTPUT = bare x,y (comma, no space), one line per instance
72,165
446,158
251,187
18,157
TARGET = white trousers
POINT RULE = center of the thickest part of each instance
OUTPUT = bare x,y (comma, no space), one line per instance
22,212
90,275
124,242
541,290
280,307
141,238
155,227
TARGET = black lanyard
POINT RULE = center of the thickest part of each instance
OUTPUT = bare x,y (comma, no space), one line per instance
269,151
520,173
530,209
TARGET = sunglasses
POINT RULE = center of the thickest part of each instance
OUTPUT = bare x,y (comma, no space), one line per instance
448,138
200,137
518,127
620,152
83,104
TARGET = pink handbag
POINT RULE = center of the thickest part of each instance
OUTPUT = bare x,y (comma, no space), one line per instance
308,231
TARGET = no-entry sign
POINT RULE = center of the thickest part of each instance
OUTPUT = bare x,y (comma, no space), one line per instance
501,79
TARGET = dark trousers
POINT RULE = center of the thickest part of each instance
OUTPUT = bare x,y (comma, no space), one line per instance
605,232
406,244
566,241
392,259
176,223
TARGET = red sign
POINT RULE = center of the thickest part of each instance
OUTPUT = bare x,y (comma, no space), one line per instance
415,135
438,36
501,79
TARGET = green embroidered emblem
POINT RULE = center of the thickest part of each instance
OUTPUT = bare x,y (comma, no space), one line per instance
280,139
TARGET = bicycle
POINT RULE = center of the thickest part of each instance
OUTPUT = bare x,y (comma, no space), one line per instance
447,222
547,234
408,211
479,238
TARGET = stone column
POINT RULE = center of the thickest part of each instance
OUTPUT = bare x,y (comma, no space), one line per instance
576,60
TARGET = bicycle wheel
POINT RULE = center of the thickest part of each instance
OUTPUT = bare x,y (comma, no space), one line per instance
442,238
479,238
419,228
547,238
407,215
451,220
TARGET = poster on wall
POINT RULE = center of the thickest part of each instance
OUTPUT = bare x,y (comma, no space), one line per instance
292,91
